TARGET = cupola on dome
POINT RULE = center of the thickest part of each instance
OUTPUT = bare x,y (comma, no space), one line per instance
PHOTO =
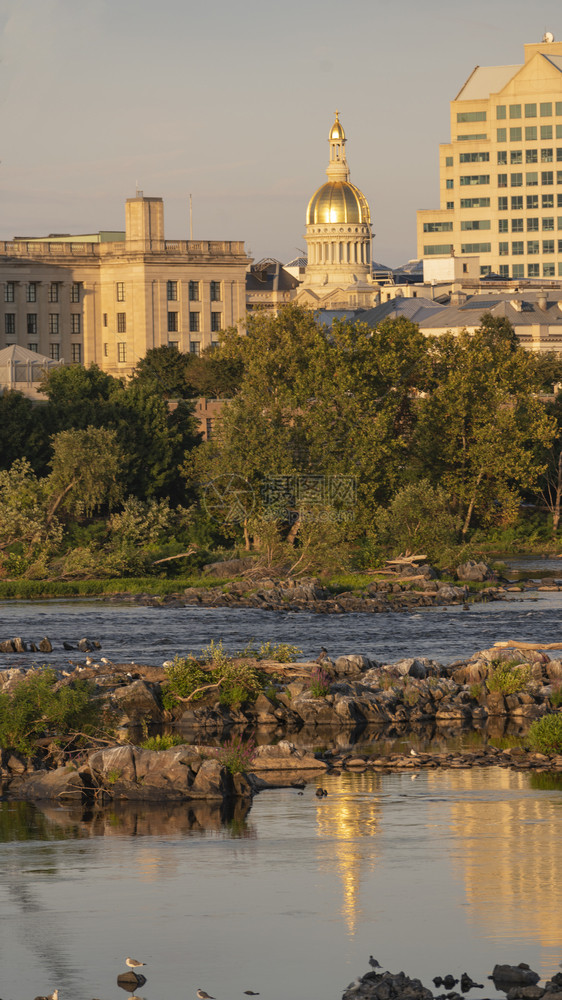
338,202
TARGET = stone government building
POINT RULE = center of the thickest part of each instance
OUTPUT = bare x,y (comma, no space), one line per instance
111,296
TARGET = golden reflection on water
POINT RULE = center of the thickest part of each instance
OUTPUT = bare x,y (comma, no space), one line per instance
342,821
507,852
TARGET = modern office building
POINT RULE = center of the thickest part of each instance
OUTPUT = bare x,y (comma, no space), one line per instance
110,297
501,173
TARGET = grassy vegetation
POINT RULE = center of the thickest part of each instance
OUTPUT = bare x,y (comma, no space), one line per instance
545,735
231,681
508,677
154,586
163,741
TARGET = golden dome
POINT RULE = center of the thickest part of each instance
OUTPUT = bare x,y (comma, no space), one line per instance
337,132
337,201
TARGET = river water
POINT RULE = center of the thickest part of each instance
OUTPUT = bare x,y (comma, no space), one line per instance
443,872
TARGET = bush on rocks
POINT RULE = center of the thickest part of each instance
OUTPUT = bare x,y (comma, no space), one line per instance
545,735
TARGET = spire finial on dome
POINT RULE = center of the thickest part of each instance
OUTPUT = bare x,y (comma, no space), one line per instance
337,167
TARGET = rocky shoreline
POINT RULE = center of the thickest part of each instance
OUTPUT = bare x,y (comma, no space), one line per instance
519,982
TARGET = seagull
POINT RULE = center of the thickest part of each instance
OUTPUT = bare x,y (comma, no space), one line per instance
374,963
133,964
204,996
413,753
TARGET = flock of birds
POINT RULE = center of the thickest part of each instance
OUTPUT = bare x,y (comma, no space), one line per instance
134,964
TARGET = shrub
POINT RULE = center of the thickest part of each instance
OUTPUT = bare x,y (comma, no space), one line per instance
184,677
320,683
238,682
162,742
508,677
556,696
280,652
545,735
215,654
34,710
237,754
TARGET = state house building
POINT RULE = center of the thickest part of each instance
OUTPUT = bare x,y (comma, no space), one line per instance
501,173
111,296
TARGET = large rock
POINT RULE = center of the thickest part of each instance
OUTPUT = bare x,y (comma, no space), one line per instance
409,667
475,571
229,567
138,701
352,665
516,975
62,784
285,756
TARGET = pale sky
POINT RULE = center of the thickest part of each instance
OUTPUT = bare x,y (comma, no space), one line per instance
233,102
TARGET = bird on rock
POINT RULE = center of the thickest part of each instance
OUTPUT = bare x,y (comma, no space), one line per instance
323,655
250,993
52,996
374,963
204,996
133,964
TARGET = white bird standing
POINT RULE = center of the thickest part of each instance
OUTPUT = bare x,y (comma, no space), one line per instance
133,964
204,996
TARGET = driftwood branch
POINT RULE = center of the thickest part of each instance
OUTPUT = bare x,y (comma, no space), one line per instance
180,555
206,687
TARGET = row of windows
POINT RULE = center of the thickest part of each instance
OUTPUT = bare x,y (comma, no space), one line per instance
530,110
478,137
511,180
194,322
531,155
31,323
530,132
476,247
533,270
438,227
476,224
471,116
531,201
31,291
533,247
54,351
532,224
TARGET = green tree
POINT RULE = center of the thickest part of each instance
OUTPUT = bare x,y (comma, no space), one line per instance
85,472
481,427
28,528
166,370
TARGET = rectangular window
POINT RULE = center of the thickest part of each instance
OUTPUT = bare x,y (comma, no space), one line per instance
559,246
559,154
9,324
174,344
32,347
195,347
31,292
438,227
194,291
502,204
546,131
547,155
547,201
500,111
532,246
516,203
503,249
441,249
105,319
517,248
471,158
216,322
516,156
75,326
475,179
532,225
54,352
449,160
121,322
501,135
531,156
32,323
502,180
449,184
548,223
485,269
450,204
532,201
530,133
471,116
559,131
105,350
76,353
548,270
502,225
517,225
475,203
216,291
515,111
502,157
517,180
75,291
121,352
194,322
172,291
515,134
548,246
477,137
209,428
476,224
518,271
120,291
558,107
53,323
530,111
475,248
53,292
173,322
547,177
546,109
532,178
9,291
533,270
504,270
